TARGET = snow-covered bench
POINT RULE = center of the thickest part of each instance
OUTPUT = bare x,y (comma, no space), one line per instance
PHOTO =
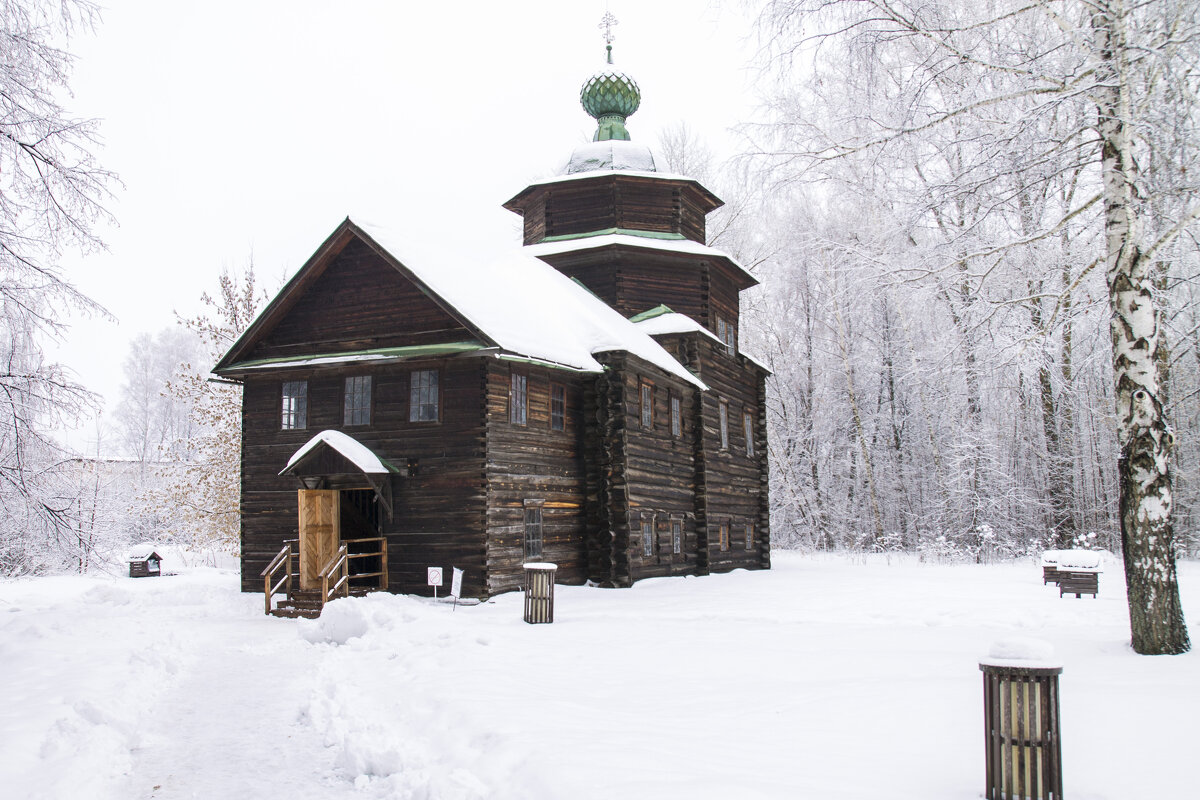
1078,573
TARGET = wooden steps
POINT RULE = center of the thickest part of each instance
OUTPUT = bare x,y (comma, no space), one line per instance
308,604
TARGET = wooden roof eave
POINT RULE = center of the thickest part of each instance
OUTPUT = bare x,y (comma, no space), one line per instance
708,201
308,274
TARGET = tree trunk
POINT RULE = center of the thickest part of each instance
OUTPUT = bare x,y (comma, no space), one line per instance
1144,466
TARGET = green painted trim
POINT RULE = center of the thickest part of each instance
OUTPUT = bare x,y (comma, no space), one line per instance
412,351
657,311
618,231
542,362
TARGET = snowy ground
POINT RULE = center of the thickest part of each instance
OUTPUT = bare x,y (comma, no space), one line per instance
822,678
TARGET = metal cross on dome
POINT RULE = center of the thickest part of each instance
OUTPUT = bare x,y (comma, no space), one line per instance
606,24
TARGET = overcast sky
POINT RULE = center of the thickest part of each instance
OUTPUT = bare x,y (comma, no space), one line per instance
243,128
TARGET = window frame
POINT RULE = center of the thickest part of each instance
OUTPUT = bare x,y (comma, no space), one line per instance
649,545
749,536
676,536
414,396
748,430
723,423
357,397
293,417
676,412
723,536
646,403
516,377
533,521
727,333
558,391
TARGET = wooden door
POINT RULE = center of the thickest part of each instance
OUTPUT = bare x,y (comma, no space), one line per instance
319,533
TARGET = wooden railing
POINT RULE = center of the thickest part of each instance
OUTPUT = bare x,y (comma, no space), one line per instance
335,576
283,560
381,552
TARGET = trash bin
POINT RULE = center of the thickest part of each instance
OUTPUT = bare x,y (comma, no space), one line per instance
1021,724
539,592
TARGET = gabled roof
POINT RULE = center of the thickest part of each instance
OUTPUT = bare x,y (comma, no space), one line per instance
518,306
349,448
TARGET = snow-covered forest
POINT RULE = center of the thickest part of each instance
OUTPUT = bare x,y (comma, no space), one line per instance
945,206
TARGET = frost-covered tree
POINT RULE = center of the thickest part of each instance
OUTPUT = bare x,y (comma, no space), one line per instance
201,494
991,131
51,195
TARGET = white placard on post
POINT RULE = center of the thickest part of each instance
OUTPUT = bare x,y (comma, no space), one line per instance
456,583
435,578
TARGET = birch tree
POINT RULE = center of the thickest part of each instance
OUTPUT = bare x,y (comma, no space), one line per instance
1002,99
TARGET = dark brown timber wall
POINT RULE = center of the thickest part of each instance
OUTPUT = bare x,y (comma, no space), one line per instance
439,509
532,465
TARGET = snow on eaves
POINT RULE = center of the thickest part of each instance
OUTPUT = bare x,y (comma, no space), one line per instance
643,242
674,322
357,453
528,308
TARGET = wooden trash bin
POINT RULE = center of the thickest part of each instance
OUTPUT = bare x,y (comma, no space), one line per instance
1021,726
539,592
1079,573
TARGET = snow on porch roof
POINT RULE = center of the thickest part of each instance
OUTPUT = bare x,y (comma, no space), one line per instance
354,451
527,307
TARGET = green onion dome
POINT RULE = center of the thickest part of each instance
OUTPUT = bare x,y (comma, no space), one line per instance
610,96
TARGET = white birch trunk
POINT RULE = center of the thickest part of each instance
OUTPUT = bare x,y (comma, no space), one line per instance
1144,465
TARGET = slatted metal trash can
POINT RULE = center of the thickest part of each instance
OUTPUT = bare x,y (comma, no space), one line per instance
1021,725
539,591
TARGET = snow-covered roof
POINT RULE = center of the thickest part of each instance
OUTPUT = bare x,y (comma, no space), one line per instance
528,308
1079,561
142,552
611,155
355,452
629,240
674,322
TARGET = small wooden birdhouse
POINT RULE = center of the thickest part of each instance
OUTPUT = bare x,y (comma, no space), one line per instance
145,563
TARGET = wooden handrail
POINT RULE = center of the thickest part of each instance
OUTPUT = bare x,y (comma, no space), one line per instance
284,559
339,565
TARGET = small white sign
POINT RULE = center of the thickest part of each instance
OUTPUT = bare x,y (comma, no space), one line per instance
435,576
456,583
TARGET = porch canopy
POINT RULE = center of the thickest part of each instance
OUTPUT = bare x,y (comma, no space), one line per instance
333,460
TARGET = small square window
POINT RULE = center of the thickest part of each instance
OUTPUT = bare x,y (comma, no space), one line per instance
423,396
676,536
558,407
748,430
294,405
676,416
357,401
518,399
647,537
723,422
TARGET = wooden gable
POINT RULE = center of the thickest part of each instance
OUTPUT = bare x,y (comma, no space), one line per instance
351,296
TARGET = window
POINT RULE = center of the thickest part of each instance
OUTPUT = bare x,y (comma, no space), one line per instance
676,416
518,399
533,533
723,536
727,333
748,429
558,407
647,396
723,418
676,536
749,536
648,537
423,396
294,405
357,401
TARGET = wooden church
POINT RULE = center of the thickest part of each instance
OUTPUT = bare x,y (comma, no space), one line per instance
582,400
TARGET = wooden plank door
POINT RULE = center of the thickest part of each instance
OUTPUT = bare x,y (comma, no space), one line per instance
319,533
